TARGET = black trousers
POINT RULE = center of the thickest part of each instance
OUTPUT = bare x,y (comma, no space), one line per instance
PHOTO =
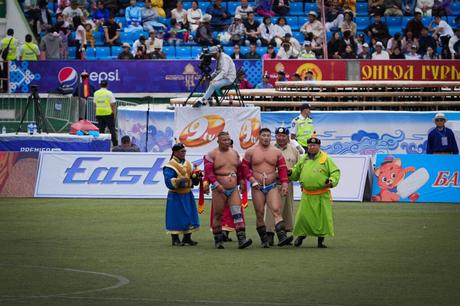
108,121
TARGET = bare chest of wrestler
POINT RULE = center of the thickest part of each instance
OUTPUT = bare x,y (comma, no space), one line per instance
225,167
264,162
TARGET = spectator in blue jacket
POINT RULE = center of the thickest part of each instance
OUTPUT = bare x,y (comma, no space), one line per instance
133,17
221,19
441,140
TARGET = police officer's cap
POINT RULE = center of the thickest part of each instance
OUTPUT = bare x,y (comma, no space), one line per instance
282,130
104,83
314,140
305,106
178,146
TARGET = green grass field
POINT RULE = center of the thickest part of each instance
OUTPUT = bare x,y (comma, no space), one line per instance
115,252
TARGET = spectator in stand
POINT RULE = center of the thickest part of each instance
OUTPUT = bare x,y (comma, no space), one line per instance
442,32
204,32
415,25
175,33
281,29
348,24
220,17
309,76
158,6
408,7
349,53
408,41
348,39
150,18
62,22
237,53
64,32
395,41
296,77
101,15
397,54
294,42
139,43
89,35
267,31
252,54
378,30
133,17
51,45
265,82
28,51
281,76
335,46
376,7
236,31
126,52
441,8
112,6
454,45
281,7
393,7
264,8
244,83
252,30
379,53
80,37
359,43
126,146
307,53
41,16
72,11
314,26
425,7
364,54
61,5
412,55
430,54
168,6
426,41
348,5
194,15
287,52
140,53
271,54
150,43
244,9
179,13
334,15
158,53
112,32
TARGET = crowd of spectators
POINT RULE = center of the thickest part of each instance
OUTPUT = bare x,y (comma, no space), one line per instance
262,23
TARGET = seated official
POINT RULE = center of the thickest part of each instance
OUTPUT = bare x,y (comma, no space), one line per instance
126,146
224,75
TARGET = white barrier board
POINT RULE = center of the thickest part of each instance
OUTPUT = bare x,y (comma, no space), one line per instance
139,175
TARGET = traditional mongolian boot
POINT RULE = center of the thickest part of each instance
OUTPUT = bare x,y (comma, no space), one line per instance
219,240
242,241
321,244
271,238
283,239
226,237
299,240
263,236
175,240
187,240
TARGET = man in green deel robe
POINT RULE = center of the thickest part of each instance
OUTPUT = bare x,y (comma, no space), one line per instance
317,174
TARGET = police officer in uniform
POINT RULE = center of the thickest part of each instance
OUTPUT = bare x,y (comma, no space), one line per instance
106,109
302,126
29,51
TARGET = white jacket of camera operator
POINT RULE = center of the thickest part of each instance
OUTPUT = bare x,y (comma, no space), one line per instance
225,68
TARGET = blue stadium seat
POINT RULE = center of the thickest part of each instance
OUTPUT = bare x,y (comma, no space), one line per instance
126,38
299,36
362,9
228,50
103,53
296,9
311,7
140,4
90,54
293,22
165,21
328,36
393,21
259,19
187,5
72,52
121,20
261,50
170,52
302,20
231,7
183,53
454,8
451,21
362,23
98,36
196,51
394,30
244,50
405,21
203,6
426,20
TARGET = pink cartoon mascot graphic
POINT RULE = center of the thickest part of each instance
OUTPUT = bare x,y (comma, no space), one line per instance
393,182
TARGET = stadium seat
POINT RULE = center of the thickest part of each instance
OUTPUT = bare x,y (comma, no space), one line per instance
115,50
362,9
293,22
311,7
165,21
72,52
203,6
261,50
126,38
426,20
299,36
90,54
183,53
187,5
451,21
302,20
394,30
103,53
121,21
98,36
196,51
362,23
405,21
244,50
228,50
296,9
140,4
231,7
393,21
170,52
454,8
328,36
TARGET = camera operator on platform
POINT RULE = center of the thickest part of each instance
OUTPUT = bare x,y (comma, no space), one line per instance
224,75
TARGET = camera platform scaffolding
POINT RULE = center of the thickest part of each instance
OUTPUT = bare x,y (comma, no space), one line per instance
34,101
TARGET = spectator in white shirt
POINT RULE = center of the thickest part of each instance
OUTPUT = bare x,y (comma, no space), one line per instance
281,29
287,52
243,9
194,15
425,7
443,31
267,31
179,13
412,55
379,53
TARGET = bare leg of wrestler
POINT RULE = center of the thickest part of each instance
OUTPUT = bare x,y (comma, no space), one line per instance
274,203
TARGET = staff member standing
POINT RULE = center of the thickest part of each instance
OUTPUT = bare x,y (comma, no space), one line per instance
441,140
302,126
8,45
106,109
29,51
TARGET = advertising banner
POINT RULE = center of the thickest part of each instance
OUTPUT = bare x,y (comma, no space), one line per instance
417,178
53,142
139,175
439,70
198,128
18,174
149,76
322,69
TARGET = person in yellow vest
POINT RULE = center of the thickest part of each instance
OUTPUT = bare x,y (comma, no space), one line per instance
9,44
29,51
302,126
106,109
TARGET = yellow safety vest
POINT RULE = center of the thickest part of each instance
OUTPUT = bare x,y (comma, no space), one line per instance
28,52
304,130
12,50
102,101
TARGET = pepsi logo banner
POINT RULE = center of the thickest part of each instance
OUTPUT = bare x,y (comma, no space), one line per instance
198,128
417,178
